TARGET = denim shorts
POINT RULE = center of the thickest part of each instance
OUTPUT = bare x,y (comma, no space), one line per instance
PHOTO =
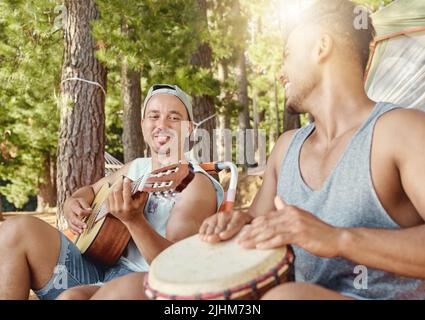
74,269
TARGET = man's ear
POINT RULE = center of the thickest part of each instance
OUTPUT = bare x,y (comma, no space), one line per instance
324,48
143,132
190,127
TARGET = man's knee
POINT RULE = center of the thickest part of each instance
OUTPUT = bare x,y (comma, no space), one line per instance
302,291
128,287
12,231
26,234
77,293
288,291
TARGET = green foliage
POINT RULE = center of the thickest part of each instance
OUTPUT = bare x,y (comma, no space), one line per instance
30,56
374,4
157,38
113,117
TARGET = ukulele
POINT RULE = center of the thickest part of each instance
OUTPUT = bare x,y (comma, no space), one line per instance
106,237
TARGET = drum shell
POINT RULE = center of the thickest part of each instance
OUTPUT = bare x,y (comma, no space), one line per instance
249,291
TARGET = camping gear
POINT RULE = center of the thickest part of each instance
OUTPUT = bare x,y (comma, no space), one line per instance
396,71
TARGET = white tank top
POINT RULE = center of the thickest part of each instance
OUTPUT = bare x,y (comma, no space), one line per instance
157,212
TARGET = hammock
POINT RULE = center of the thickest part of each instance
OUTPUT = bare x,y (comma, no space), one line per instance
111,164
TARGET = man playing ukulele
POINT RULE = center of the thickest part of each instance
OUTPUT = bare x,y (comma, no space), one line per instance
36,256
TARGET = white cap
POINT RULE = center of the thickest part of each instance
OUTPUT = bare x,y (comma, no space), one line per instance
169,89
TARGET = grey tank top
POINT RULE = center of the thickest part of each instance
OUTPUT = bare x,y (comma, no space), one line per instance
346,199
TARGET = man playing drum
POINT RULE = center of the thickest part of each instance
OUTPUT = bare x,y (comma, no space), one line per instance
347,191
32,252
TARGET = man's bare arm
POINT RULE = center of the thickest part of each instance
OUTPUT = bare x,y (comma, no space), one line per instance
78,204
264,199
225,225
88,192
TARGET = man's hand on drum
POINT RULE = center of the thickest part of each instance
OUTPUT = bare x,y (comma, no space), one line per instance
292,225
223,226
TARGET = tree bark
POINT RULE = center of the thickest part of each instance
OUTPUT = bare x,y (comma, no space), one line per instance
131,96
223,122
46,197
82,124
242,81
203,106
256,119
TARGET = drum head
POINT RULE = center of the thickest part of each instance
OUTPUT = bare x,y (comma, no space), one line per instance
193,267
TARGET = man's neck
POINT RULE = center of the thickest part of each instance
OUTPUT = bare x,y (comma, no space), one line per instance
339,104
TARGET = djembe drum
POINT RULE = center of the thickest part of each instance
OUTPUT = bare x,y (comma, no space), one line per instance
193,269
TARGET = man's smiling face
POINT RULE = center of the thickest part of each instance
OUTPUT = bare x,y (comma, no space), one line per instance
299,71
165,122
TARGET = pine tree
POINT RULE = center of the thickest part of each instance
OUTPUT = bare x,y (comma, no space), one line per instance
158,40
30,54
82,126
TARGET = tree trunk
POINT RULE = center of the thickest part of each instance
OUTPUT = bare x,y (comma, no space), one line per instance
242,81
243,118
131,96
46,197
243,100
256,119
203,106
276,104
291,121
223,122
82,125
1,208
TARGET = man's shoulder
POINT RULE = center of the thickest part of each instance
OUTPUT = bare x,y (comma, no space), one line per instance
286,137
141,160
137,167
280,149
401,121
399,132
282,144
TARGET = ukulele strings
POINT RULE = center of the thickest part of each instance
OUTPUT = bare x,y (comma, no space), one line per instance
135,185
102,209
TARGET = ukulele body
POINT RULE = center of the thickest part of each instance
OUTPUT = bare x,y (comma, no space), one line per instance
108,237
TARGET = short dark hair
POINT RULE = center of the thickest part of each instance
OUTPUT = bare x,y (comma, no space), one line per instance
338,16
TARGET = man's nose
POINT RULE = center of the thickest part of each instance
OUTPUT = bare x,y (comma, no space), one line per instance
162,122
